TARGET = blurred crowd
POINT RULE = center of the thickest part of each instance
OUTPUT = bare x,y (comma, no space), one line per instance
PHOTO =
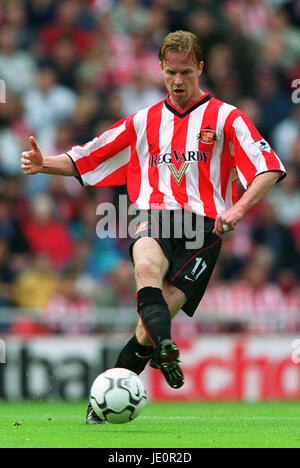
74,67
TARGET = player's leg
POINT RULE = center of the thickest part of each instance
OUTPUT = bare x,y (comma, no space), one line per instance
175,299
151,266
138,350
166,355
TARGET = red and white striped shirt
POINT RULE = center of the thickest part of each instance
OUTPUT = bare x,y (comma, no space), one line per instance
178,159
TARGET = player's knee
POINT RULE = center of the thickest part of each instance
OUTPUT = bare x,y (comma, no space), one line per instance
147,268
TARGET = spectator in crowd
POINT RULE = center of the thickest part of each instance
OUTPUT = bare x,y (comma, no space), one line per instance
270,232
289,37
251,16
113,106
157,26
47,235
18,67
261,298
286,199
139,94
286,137
129,16
65,63
105,254
40,13
144,60
47,105
11,229
252,110
88,108
95,71
122,288
66,25
207,26
13,135
7,275
109,61
64,135
36,284
275,104
67,311
289,285
296,234
293,10
16,17
238,250
221,74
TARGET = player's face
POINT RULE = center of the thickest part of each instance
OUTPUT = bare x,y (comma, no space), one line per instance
181,76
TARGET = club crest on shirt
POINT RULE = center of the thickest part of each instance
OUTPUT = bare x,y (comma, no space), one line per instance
207,135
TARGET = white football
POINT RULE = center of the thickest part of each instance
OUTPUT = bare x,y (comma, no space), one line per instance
118,395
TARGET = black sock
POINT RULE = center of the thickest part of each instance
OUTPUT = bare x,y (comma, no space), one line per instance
154,313
134,356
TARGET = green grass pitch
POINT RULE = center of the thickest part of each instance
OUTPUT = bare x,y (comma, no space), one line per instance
166,425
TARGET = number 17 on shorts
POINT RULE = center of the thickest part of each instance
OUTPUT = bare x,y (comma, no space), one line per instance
199,268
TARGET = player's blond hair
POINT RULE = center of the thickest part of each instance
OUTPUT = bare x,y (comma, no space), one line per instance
183,42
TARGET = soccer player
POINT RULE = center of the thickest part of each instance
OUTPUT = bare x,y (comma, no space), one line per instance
181,155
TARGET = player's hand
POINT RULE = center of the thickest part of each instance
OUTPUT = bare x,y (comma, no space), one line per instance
227,221
32,160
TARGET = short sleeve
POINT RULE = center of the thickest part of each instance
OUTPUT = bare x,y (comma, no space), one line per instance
104,161
252,153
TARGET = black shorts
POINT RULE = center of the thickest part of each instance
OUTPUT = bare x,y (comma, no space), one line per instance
190,267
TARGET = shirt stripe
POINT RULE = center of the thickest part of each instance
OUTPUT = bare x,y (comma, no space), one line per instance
165,140
142,149
192,174
206,187
153,129
178,147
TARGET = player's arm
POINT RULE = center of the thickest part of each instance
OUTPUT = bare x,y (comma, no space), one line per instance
257,165
33,162
258,188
